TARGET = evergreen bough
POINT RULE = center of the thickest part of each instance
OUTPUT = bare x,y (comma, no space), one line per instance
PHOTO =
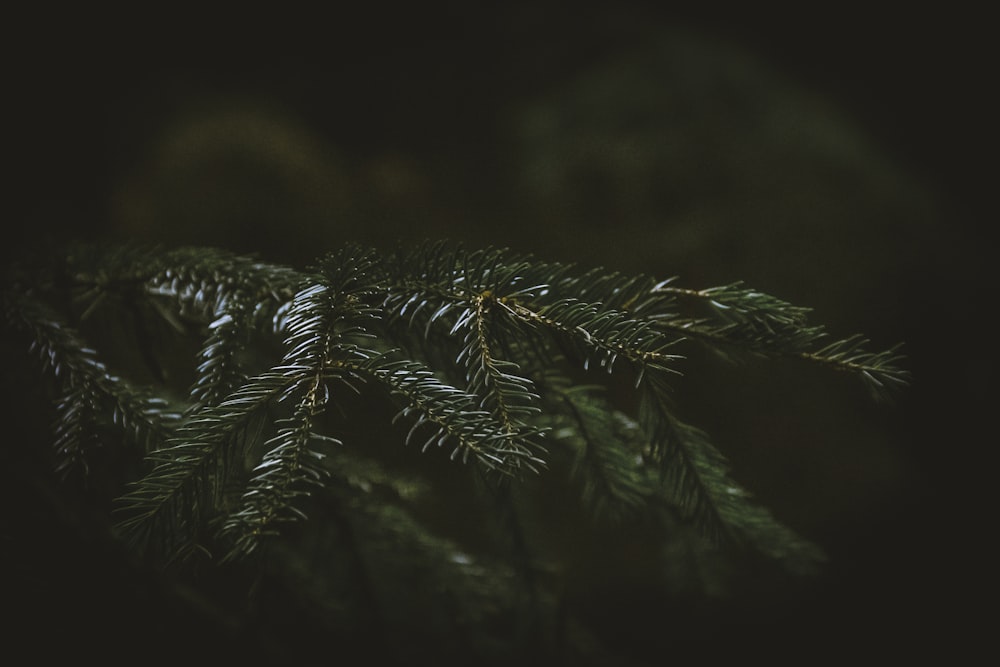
489,353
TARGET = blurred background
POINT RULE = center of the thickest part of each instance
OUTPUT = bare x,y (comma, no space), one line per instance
829,157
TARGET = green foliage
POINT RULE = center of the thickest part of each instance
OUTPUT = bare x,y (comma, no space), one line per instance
498,357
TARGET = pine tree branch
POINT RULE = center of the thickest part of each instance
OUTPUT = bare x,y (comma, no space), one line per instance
505,392
201,283
696,480
92,394
880,371
452,414
291,469
476,347
320,322
607,461
167,508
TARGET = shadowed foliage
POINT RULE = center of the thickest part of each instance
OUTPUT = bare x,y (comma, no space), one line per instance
249,410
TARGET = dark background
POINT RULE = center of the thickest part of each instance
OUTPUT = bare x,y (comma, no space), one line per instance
833,157
86,84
